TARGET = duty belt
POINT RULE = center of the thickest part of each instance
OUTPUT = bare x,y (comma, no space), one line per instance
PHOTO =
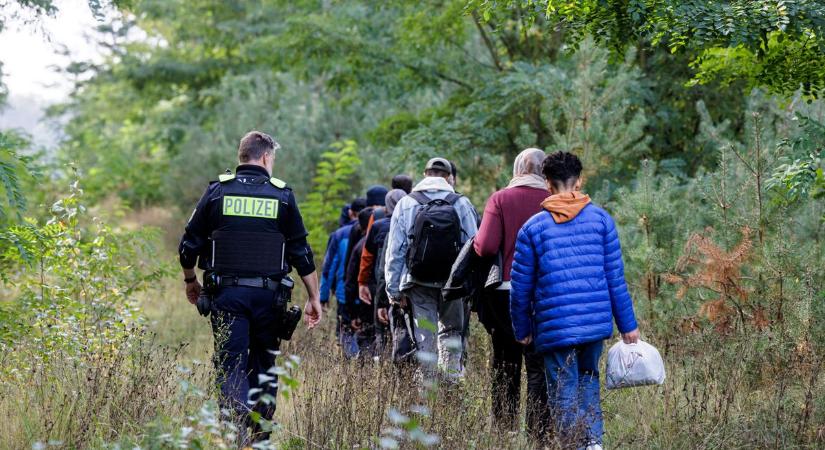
258,282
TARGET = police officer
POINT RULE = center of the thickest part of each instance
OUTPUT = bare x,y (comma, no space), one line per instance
246,233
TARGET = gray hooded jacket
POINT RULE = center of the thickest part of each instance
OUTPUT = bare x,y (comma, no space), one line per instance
403,218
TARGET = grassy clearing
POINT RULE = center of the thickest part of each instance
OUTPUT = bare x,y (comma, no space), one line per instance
737,391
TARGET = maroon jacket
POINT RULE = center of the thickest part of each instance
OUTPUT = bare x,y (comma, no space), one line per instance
506,211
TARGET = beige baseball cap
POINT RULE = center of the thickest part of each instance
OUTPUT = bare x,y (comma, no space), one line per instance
439,164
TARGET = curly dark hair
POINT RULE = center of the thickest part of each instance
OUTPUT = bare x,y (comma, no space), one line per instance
561,168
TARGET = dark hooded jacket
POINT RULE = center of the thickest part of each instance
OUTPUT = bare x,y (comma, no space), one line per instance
471,274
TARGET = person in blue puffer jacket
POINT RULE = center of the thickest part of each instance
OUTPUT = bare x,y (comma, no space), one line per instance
334,270
332,275
567,289
328,275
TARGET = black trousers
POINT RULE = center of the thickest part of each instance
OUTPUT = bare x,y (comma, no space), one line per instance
382,331
507,361
245,323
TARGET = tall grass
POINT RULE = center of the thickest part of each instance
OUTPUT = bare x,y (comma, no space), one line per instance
745,390
742,391
152,387
84,400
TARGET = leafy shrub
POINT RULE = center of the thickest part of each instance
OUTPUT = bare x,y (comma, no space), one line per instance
75,278
74,349
333,185
12,166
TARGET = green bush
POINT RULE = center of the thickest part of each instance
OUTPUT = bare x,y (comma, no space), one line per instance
333,186
75,353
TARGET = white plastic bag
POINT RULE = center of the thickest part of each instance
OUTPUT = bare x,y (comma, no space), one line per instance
636,364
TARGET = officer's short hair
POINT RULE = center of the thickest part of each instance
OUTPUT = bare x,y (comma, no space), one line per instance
255,145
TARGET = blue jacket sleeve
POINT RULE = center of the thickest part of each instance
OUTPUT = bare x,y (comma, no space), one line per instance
326,274
329,254
325,287
523,285
620,301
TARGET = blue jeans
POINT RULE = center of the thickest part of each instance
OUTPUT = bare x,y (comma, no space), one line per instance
573,393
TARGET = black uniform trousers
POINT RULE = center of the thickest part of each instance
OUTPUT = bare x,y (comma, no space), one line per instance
508,356
245,322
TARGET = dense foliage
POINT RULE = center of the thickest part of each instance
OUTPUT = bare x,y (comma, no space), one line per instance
774,44
12,168
333,187
405,80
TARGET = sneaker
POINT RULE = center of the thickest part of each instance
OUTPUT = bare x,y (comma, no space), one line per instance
594,447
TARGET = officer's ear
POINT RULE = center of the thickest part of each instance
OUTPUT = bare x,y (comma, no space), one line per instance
269,160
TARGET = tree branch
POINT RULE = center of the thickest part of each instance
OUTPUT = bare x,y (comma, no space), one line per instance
487,42
747,165
511,52
469,55
421,70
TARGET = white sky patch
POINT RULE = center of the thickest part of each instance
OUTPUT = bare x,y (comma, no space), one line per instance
29,51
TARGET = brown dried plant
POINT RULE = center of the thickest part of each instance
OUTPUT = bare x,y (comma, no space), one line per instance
704,264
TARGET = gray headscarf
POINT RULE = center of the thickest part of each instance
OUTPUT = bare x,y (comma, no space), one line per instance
527,169
392,199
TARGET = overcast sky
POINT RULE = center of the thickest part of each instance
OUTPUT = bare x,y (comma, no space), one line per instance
28,50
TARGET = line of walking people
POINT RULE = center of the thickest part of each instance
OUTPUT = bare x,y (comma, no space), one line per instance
542,268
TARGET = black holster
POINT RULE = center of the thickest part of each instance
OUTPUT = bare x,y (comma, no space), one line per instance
210,287
290,317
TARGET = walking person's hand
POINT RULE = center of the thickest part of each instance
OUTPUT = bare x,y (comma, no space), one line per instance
193,291
400,301
364,294
312,313
313,310
383,316
631,337
526,341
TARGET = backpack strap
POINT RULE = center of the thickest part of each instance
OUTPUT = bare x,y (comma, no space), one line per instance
452,198
420,197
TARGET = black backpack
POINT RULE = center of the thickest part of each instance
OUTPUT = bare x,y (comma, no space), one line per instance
436,238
